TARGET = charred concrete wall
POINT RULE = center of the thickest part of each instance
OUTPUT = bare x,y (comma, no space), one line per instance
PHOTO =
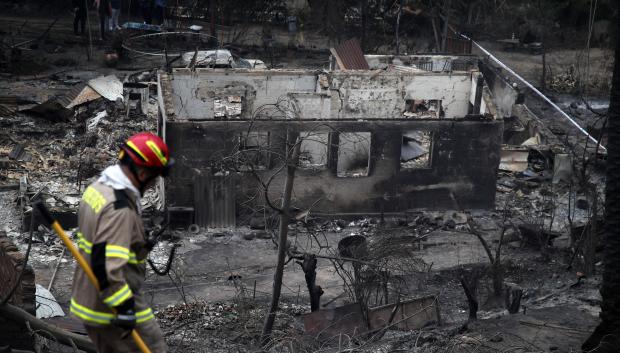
383,151
15,334
461,173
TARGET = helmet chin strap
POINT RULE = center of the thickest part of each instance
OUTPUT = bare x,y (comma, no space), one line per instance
142,185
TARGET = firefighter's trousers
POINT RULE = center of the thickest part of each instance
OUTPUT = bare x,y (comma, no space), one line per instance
109,339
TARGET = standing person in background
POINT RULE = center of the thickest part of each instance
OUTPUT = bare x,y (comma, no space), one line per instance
116,11
79,16
160,11
104,10
147,8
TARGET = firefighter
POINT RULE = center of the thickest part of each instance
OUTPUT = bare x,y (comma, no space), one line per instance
111,237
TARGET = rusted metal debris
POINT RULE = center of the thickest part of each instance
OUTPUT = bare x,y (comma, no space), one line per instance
349,55
348,319
514,159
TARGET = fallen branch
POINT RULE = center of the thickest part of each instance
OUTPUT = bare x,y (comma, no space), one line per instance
68,338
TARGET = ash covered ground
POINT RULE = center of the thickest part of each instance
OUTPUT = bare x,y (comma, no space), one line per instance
216,295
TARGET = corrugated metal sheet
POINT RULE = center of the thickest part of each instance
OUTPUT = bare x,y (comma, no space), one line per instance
214,200
350,55
80,94
110,87
60,107
514,159
425,65
68,96
411,314
404,69
458,45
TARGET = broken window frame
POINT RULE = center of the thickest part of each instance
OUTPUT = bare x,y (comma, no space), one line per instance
325,142
339,153
411,109
262,154
429,154
228,103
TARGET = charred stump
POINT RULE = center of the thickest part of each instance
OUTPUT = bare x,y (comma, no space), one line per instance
469,280
308,265
513,299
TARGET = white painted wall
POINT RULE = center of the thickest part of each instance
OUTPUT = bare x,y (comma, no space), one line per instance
453,91
194,94
348,95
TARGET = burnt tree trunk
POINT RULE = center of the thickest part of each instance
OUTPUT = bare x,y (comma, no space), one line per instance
607,334
364,10
436,34
335,20
469,282
400,11
292,159
513,299
543,79
308,265
496,268
212,6
591,241
446,20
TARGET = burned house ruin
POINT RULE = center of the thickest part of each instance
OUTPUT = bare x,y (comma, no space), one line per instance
411,132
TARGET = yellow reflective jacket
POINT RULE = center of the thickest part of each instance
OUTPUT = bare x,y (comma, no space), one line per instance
111,239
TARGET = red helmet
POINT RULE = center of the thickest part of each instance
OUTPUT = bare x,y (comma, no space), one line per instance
148,151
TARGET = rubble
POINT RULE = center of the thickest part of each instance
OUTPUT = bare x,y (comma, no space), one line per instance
410,314
220,321
60,128
109,87
564,82
46,304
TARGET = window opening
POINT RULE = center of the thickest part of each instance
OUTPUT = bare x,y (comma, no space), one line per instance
313,150
353,154
415,152
253,151
423,109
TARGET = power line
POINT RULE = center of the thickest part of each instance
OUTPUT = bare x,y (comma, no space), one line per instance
529,85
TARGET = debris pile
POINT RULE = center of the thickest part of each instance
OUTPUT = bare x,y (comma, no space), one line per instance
564,82
44,157
74,150
223,324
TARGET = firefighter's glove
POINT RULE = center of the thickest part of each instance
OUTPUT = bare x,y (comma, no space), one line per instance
125,315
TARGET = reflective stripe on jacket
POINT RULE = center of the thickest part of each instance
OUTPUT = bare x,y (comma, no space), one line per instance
111,239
